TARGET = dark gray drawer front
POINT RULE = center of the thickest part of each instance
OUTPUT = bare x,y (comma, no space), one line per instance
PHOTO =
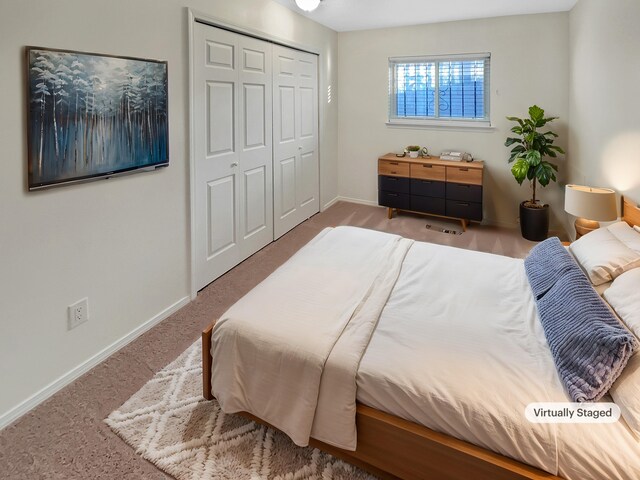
394,200
394,184
465,210
466,193
432,205
427,188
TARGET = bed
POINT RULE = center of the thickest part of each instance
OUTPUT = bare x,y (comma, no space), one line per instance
439,421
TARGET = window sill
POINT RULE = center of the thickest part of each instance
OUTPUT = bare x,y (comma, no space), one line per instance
440,124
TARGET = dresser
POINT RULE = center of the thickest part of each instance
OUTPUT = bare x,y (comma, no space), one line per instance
431,186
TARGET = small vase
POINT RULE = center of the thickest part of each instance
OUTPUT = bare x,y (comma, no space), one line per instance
413,154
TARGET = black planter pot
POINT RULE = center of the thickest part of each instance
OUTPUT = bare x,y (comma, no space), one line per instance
534,222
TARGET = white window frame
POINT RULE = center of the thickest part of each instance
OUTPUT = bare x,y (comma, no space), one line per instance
437,121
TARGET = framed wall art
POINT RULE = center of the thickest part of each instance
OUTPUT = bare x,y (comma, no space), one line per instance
93,116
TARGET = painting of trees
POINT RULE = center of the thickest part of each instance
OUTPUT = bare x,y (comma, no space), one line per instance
92,115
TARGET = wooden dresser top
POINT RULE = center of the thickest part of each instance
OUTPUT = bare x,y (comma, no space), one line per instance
391,157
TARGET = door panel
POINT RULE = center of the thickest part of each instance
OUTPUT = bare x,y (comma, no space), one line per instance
308,185
256,157
307,112
287,186
295,149
232,84
221,224
286,64
254,60
220,55
220,117
287,114
307,67
254,116
255,183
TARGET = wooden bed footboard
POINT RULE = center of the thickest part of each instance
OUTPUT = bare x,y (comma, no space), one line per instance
207,361
391,447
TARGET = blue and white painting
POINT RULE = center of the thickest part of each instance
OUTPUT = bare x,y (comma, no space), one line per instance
92,115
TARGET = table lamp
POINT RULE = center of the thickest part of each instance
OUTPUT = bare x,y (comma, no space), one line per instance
591,205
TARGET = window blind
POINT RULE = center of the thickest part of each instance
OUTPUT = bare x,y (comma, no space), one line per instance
443,87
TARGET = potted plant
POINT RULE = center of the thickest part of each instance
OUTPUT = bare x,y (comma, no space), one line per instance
528,158
413,150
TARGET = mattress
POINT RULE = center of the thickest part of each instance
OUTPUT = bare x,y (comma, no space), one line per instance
459,349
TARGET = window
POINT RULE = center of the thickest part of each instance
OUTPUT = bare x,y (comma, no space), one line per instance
445,90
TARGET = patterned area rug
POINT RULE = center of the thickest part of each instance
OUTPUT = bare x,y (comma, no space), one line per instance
170,424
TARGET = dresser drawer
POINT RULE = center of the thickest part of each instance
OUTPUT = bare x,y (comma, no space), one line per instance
466,210
464,175
464,191
432,205
394,184
429,172
428,188
398,169
394,200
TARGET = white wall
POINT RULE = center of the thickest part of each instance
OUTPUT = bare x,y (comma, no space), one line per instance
604,134
124,243
529,64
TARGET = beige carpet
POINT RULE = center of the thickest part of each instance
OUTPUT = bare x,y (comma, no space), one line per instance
169,423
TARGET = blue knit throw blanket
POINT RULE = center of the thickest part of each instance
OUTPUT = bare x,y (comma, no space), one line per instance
590,346
546,263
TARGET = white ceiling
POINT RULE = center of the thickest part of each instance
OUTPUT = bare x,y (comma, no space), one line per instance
347,15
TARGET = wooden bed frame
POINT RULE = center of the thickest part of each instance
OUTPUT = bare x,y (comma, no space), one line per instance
390,447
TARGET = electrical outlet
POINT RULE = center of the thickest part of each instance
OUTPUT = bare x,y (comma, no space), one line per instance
78,313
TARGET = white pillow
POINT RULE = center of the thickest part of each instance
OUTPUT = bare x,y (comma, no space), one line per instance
624,298
603,256
626,393
627,235
636,228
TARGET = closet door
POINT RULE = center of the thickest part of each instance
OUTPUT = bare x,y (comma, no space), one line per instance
295,130
233,149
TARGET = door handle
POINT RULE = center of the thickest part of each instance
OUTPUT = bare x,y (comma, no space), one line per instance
234,164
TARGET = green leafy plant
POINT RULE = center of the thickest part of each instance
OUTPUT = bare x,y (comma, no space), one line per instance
531,146
413,148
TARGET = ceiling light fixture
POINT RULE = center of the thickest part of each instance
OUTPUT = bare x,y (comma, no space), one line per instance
308,5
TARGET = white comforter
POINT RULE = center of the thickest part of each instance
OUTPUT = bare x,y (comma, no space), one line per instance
458,348
288,352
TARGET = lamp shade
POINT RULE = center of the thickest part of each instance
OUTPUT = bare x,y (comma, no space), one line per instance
307,5
591,203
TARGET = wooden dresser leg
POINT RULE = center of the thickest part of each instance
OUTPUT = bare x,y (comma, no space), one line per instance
464,224
390,213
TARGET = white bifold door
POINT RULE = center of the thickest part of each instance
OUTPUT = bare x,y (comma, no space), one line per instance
295,138
255,131
233,149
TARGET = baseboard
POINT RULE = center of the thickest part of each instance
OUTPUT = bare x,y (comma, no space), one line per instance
501,224
55,386
330,203
372,203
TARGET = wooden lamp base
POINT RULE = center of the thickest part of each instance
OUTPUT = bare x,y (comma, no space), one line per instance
584,226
